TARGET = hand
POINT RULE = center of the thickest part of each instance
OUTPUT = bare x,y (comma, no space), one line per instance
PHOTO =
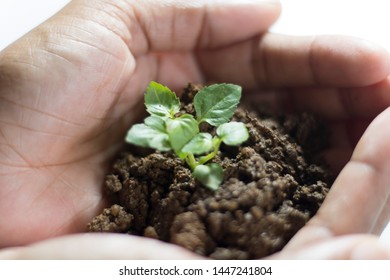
71,88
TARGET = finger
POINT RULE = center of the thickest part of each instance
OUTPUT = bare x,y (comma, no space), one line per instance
346,126
352,247
99,246
186,25
342,103
358,200
286,61
321,60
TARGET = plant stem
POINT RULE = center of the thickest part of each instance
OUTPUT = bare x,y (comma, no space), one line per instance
191,161
209,156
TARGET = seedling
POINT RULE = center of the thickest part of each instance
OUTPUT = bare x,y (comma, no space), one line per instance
164,130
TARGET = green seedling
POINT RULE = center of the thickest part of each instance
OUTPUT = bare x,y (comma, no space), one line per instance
166,130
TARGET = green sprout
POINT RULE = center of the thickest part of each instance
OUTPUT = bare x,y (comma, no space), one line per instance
165,131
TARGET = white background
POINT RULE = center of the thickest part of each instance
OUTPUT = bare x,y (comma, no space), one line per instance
367,19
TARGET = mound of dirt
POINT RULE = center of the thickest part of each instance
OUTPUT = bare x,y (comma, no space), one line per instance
273,184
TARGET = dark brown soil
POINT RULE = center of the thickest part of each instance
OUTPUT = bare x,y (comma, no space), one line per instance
273,185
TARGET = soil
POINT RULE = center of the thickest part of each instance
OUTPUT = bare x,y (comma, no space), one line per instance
273,184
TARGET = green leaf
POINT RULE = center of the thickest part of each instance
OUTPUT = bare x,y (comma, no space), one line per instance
200,144
156,123
145,136
161,101
210,175
216,104
233,133
181,130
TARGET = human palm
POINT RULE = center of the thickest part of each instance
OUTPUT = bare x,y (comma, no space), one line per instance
70,89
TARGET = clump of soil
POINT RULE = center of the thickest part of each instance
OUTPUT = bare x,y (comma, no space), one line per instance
273,184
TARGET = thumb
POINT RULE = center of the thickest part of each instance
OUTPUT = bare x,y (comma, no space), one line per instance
98,246
358,201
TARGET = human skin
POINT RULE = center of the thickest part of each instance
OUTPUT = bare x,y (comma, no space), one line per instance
71,88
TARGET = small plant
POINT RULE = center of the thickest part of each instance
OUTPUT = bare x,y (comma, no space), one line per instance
165,129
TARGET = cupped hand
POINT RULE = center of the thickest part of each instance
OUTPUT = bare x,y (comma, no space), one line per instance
70,89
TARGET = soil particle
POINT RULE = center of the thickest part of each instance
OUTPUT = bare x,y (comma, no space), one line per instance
113,219
274,183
